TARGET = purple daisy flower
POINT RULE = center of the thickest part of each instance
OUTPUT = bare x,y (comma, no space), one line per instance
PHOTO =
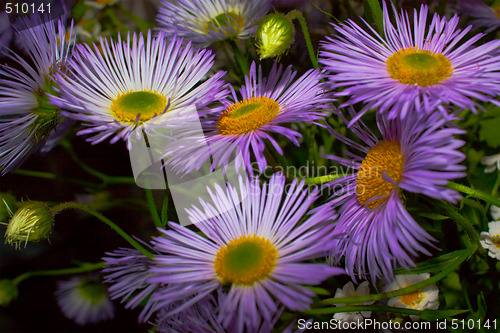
257,244
27,118
242,125
203,317
206,21
135,83
200,317
484,15
413,69
84,300
127,270
418,156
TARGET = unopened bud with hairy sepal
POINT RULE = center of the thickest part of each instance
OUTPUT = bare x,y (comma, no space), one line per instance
274,36
8,292
31,222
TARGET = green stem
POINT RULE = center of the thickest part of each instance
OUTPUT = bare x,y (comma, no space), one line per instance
91,171
239,58
474,204
312,144
322,179
465,224
326,13
58,208
494,190
399,292
474,193
164,209
64,271
153,209
50,175
295,14
355,308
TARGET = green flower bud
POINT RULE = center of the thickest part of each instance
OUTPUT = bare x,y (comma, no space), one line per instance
8,292
274,35
31,222
8,205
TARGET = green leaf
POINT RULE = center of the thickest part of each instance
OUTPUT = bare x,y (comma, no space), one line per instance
373,8
319,291
433,315
433,265
79,11
489,132
433,216
481,306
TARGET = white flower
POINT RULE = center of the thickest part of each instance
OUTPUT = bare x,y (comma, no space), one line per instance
349,291
495,212
493,162
491,240
426,298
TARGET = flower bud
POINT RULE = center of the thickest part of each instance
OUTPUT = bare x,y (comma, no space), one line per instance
274,35
8,292
7,206
31,222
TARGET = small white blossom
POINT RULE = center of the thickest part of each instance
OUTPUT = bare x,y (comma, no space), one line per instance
491,240
349,291
426,298
492,162
495,212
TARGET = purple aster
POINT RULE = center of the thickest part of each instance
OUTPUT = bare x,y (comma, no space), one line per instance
418,156
256,245
206,21
414,68
200,317
6,33
243,125
27,118
484,15
203,317
134,83
84,300
127,270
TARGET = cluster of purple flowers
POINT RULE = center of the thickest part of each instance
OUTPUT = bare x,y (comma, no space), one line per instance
252,255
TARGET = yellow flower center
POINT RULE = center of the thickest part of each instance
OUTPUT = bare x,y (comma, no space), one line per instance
421,67
384,158
229,23
496,240
138,106
245,260
105,2
412,298
496,9
247,115
92,291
